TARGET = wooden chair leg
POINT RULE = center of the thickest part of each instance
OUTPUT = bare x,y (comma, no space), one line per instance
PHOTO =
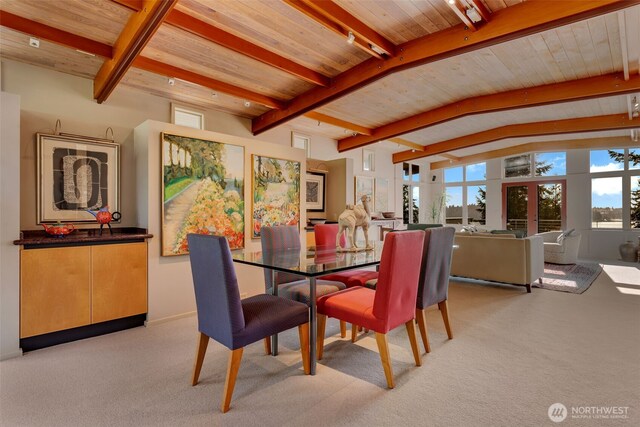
422,325
444,310
322,322
343,329
411,331
267,346
303,331
354,332
235,357
383,348
359,328
201,349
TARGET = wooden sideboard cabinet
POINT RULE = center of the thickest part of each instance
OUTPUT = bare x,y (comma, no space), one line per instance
63,288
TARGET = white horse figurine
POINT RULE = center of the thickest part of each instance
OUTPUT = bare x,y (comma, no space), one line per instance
352,218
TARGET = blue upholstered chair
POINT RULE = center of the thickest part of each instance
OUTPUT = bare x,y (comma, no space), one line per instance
278,238
433,286
233,322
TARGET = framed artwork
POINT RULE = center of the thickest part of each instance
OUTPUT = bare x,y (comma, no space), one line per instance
276,192
364,185
315,191
368,160
76,174
202,191
301,141
382,195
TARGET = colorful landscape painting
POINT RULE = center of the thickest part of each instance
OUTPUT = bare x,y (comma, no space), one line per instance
203,192
276,193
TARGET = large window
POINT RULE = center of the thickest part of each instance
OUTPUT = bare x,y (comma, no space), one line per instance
465,194
615,188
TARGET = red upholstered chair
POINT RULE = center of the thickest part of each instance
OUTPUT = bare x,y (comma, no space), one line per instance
390,305
325,235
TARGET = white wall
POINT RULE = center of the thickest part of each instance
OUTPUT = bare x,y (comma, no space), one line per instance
9,225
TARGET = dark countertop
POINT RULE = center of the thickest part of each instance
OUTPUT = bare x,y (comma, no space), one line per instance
39,238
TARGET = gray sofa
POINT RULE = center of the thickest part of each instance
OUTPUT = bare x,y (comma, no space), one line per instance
499,258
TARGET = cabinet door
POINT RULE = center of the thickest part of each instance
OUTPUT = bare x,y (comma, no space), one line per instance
54,289
119,281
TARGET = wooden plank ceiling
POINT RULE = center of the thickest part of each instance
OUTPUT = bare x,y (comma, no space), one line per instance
417,72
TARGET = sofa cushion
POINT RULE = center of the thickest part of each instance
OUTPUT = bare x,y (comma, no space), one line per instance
519,234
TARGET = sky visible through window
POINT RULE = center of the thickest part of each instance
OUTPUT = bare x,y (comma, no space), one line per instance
477,172
605,192
557,160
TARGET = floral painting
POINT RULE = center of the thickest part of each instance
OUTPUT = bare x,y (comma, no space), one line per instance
276,193
203,191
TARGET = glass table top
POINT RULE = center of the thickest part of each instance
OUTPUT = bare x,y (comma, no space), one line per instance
310,262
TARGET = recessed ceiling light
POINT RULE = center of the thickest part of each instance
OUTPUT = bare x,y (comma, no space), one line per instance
34,42
171,81
214,95
247,104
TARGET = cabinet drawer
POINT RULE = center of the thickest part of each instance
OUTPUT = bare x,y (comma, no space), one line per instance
119,281
55,292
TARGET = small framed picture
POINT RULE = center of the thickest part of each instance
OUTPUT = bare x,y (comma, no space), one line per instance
301,141
315,191
76,174
368,160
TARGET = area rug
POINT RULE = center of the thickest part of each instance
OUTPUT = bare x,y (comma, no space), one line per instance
574,278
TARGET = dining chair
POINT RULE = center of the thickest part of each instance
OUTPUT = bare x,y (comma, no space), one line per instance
274,239
389,306
433,286
233,322
325,235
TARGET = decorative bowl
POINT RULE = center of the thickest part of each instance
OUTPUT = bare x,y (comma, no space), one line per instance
314,221
388,215
58,229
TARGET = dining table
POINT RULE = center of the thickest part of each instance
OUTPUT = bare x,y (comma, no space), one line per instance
309,263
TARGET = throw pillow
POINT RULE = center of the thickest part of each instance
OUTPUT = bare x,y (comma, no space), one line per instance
564,234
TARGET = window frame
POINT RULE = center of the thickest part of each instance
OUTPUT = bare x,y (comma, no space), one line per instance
186,110
464,184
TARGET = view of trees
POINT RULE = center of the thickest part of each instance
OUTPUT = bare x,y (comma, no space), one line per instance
406,197
634,160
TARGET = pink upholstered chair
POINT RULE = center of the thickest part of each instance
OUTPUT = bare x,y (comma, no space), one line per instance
392,304
325,235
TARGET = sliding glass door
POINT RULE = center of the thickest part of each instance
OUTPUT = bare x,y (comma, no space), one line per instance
534,206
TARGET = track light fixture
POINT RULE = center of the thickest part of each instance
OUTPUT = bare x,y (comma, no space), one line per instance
635,107
171,81
351,38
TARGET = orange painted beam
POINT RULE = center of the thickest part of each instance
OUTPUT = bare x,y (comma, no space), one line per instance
406,143
592,87
327,21
338,122
158,67
513,22
54,35
220,37
134,37
343,18
553,127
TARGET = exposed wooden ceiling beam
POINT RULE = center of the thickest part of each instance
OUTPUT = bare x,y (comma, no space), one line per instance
553,127
137,32
220,37
543,146
406,143
157,67
76,42
338,122
54,35
346,20
484,13
513,22
450,156
608,85
341,23
459,9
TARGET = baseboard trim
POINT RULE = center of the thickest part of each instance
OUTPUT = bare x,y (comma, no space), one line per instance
169,319
60,337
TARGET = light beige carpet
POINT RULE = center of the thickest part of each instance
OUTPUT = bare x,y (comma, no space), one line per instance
513,355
